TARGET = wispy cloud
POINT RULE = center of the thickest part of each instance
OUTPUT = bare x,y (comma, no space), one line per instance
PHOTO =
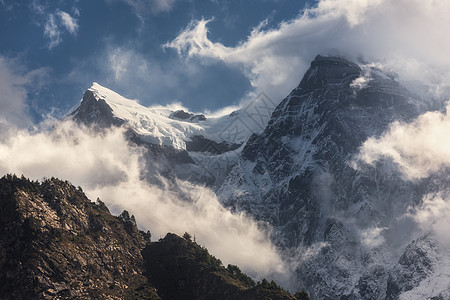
55,25
15,84
152,80
52,32
69,22
106,166
55,22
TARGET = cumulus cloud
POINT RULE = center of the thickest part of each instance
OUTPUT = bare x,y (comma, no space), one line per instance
419,149
107,167
407,36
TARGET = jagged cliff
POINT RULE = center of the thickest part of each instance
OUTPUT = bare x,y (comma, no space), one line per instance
300,175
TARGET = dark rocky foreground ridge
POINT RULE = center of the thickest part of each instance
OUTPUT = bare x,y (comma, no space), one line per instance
57,244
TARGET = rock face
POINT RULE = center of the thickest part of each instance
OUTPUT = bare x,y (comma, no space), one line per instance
95,112
57,244
416,263
182,115
199,143
299,176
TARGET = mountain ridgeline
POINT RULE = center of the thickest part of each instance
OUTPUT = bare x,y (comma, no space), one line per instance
301,174
57,244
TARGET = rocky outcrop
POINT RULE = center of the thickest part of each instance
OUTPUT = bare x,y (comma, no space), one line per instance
56,244
95,112
187,116
199,143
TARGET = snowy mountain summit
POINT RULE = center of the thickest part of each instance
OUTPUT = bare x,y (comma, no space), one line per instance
351,225
185,145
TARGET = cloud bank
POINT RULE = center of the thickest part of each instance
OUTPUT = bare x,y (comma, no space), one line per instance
410,37
107,167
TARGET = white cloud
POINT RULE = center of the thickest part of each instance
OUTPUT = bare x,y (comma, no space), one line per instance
70,23
419,149
107,167
55,23
410,37
371,237
52,32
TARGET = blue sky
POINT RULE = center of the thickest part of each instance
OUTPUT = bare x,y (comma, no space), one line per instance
206,54
75,43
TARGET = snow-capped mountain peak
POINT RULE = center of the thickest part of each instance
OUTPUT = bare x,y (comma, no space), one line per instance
208,144
165,125
297,176
152,124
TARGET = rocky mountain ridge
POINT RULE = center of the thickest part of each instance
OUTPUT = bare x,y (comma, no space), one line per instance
57,244
300,175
